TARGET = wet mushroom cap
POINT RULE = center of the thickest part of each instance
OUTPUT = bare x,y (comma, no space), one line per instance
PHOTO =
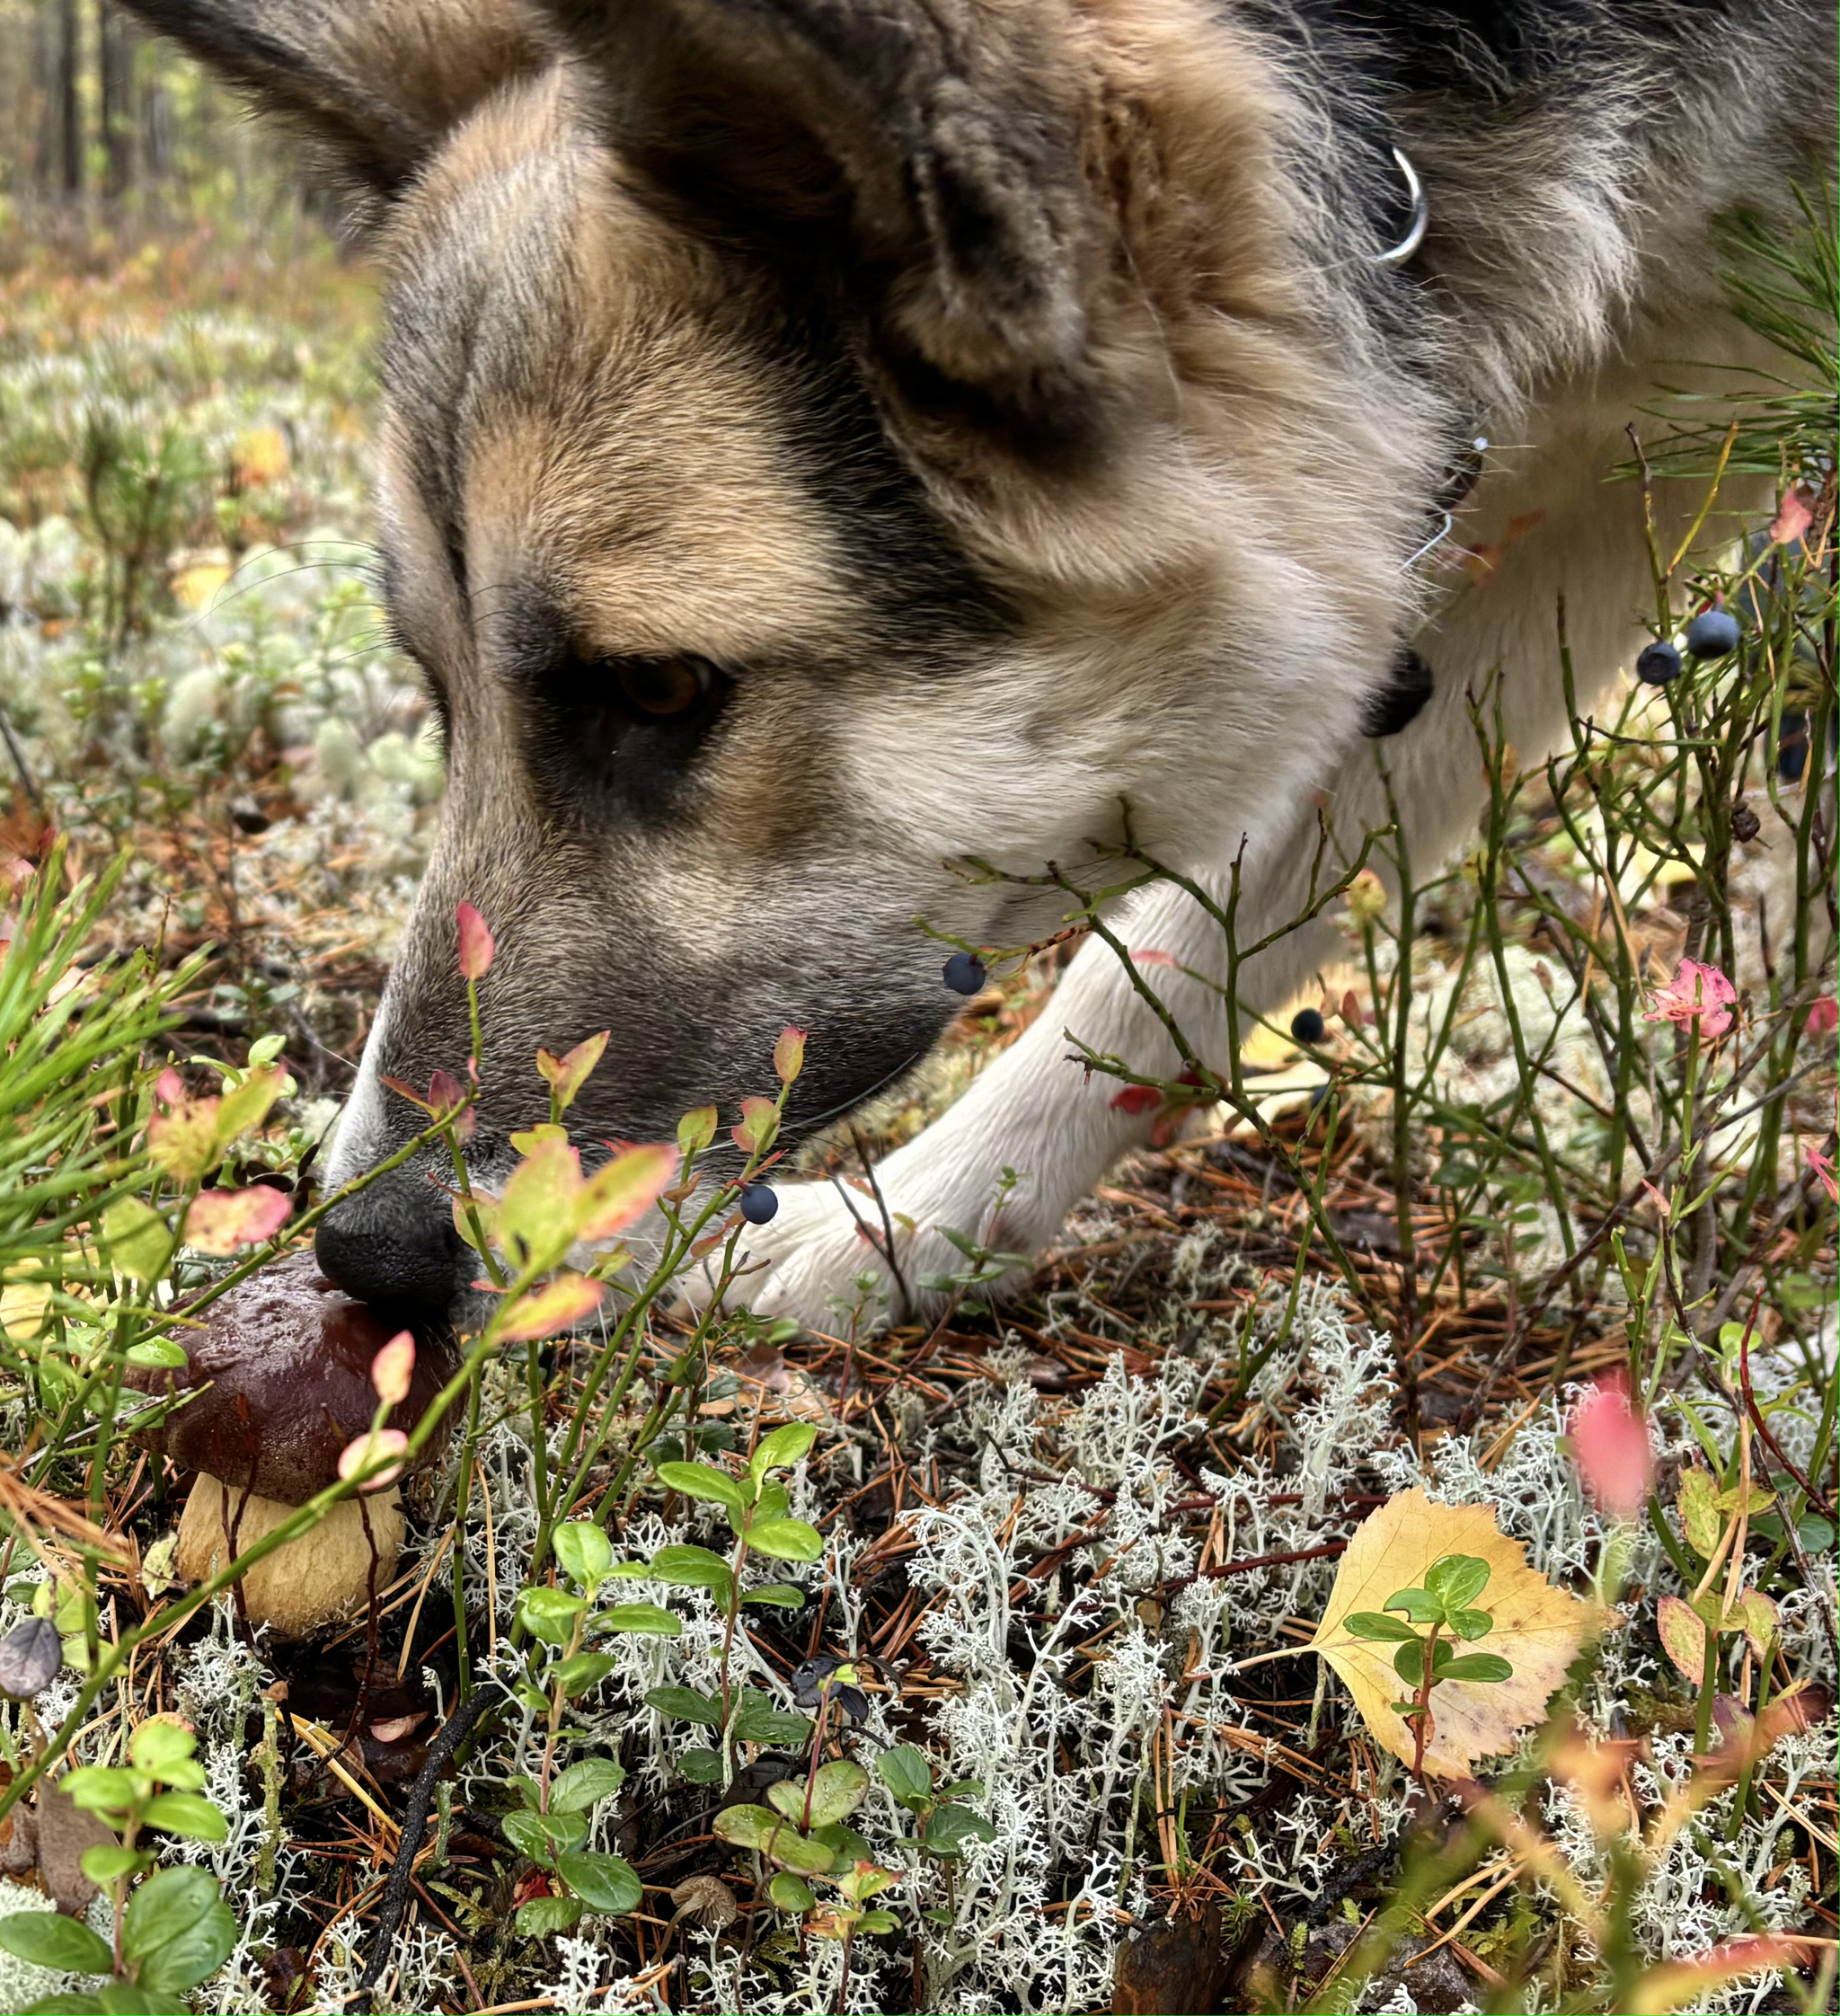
285,1358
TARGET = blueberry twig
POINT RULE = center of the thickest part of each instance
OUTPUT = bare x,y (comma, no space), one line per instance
440,1752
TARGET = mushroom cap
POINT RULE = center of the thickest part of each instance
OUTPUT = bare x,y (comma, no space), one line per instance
285,1361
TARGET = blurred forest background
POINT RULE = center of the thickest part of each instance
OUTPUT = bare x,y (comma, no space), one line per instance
107,133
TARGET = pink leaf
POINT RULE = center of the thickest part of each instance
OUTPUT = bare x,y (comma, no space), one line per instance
169,1087
1665,1987
1683,1636
759,1123
1611,1442
566,1075
1822,1166
1793,519
220,1221
1136,1099
1823,1016
392,1368
1696,993
1149,956
548,1310
364,1450
622,1191
475,942
789,1053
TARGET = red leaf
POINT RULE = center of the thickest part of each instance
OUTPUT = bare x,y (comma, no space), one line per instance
475,942
1136,1099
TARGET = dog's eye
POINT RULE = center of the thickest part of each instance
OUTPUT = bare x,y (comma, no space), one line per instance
663,685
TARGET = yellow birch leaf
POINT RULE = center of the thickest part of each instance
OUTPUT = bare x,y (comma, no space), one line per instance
1538,1629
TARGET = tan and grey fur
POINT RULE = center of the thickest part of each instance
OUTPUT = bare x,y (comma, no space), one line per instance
1004,402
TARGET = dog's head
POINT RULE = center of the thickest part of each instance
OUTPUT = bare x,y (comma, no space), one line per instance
822,443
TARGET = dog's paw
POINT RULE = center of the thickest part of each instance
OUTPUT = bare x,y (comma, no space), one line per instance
826,1259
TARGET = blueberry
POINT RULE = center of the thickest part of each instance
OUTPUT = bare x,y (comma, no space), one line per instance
1713,633
964,973
1307,1026
759,1201
1658,665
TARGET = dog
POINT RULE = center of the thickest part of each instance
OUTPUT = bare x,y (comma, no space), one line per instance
826,441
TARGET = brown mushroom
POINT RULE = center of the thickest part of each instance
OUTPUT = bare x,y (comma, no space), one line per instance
280,1371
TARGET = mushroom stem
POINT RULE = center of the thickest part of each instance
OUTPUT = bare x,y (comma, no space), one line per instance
321,1579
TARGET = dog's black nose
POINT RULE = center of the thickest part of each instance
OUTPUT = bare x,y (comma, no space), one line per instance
394,1242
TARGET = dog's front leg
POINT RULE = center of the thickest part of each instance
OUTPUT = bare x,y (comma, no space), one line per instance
1034,1110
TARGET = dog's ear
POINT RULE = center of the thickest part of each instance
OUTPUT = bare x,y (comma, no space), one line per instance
929,150
372,84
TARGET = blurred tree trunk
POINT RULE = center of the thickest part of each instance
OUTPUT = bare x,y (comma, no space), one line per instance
118,46
68,100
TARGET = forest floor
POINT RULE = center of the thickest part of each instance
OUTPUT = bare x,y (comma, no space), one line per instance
1051,1530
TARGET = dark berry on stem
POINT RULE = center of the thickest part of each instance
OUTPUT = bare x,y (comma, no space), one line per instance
1658,665
964,973
759,1201
1713,633
1307,1026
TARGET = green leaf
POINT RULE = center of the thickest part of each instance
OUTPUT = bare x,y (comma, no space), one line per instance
700,1767
757,1721
188,1815
692,1568
551,1613
543,1915
582,1670
786,1540
788,1892
785,1596
99,1789
1478,1666
877,1921
836,1791
1456,1580
123,1998
774,1837
1372,1623
1419,1605
845,1844
603,1883
155,1745
1470,1623
49,1939
585,1784
630,1571
138,1239
774,1503
542,1836
106,1865
1698,1501
648,1620
161,1353
585,1552
952,1827
782,1449
907,1772
683,1705
703,1480
1408,1663
177,1932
